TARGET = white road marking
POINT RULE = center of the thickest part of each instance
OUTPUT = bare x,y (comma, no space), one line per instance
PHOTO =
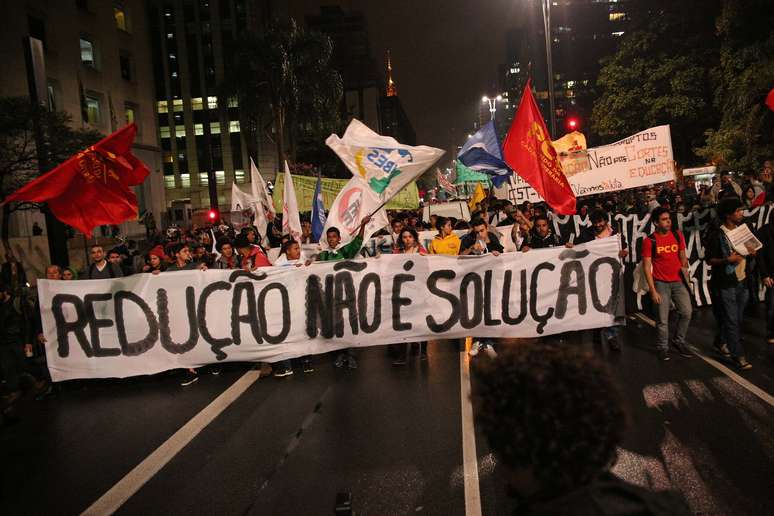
125,488
760,393
469,457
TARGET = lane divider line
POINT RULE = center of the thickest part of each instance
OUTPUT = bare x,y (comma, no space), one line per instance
754,389
125,488
469,457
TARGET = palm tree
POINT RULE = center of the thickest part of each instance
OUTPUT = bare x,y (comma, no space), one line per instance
282,80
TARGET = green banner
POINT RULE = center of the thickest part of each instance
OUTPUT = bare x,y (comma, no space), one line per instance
407,199
467,175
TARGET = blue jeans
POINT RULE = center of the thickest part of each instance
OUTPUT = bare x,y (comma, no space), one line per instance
733,300
609,333
770,313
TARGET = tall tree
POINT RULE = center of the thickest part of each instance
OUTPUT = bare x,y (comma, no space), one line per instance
744,74
661,74
18,151
283,81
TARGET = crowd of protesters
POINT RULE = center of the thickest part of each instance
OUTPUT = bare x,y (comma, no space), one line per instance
664,262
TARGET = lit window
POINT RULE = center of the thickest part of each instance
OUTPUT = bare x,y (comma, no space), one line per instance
169,182
233,126
162,107
212,102
88,56
570,84
120,15
196,103
239,176
203,179
177,104
92,110
198,129
220,177
130,113
164,131
215,128
173,56
233,102
185,180
514,70
618,34
174,75
170,35
617,16
180,131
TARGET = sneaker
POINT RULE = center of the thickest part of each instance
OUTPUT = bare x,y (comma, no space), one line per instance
215,370
683,350
340,360
475,348
613,343
282,372
723,350
742,363
308,368
352,363
189,378
663,355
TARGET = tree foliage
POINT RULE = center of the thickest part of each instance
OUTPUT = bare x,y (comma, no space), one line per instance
18,152
285,86
743,76
659,74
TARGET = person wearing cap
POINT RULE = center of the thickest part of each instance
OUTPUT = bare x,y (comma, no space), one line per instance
252,256
155,261
727,282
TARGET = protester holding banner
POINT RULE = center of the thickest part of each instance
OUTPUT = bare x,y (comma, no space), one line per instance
480,240
445,242
227,258
409,244
252,256
541,236
155,261
100,268
183,260
664,259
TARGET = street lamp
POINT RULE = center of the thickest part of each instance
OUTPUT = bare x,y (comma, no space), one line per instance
546,4
492,104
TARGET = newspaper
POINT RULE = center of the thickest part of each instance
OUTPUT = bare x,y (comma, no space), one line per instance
743,241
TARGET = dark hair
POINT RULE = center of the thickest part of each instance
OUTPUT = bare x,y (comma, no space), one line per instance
176,248
412,232
286,245
599,215
541,217
93,246
727,206
441,221
333,229
532,400
221,242
114,251
241,241
657,213
477,221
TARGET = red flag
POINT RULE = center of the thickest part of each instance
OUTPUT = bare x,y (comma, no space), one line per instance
770,99
91,188
527,149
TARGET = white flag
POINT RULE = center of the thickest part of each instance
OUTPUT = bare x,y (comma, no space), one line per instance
354,202
291,221
241,201
263,203
385,165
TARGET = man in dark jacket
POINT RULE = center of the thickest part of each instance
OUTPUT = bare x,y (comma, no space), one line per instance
765,261
480,240
727,283
14,336
541,236
100,268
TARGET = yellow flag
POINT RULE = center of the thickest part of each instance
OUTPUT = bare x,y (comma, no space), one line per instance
478,196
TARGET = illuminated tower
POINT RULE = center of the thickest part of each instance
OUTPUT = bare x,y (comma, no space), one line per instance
392,89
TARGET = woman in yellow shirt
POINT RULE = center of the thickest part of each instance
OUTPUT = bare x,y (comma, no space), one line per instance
445,242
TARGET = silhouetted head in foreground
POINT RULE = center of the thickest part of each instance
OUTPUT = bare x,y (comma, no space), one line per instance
554,418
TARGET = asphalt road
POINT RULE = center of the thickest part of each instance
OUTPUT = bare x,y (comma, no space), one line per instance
390,436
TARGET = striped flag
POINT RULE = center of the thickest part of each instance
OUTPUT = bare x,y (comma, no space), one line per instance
444,183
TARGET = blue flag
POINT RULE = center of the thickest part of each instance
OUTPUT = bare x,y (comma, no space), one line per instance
482,153
318,212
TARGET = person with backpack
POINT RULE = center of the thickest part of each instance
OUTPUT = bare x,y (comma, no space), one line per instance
664,258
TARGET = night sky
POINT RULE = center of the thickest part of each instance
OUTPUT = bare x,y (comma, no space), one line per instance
444,56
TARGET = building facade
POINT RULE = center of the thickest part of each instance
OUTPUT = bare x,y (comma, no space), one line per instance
199,132
97,69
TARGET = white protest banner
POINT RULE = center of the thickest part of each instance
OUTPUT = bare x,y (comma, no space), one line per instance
642,159
383,163
146,324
